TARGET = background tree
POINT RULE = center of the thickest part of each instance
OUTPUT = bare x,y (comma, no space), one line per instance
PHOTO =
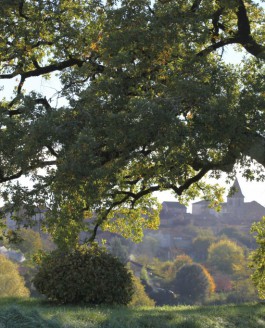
225,255
119,250
30,241
235,234
200,246
167,270
11,283
193,283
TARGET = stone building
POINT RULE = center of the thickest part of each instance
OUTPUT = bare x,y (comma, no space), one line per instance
175,231
235,211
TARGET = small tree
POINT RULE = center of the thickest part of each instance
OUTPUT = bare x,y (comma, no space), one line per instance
11,283
225,255
193,283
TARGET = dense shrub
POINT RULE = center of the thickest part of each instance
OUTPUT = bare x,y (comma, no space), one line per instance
11,283
84,275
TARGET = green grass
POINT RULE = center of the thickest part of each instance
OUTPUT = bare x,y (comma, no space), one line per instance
15,313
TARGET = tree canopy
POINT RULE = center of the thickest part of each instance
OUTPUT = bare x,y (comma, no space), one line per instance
226,256
149,104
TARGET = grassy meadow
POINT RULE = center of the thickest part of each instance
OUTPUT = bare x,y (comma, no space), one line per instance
15,313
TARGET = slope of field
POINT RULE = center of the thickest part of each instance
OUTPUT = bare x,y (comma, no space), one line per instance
34,314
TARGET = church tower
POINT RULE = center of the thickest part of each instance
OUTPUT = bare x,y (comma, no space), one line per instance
235,199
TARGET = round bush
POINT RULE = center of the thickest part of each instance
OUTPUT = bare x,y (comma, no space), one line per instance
84,275
193,283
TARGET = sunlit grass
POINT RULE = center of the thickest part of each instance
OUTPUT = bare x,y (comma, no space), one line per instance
34,313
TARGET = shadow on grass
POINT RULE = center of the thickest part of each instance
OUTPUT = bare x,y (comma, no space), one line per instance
32,313
15,318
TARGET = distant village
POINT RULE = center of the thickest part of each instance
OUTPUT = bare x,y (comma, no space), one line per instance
176,224
175,237
182,238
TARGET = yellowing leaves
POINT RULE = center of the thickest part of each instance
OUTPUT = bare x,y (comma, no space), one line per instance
94,46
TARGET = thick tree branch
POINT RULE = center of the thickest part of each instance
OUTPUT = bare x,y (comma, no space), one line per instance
11,177
243,21
190,181
20,10
45,69
217,45
52,151
216,24
256,148
45,103
242,36
105,217
29,169
196,5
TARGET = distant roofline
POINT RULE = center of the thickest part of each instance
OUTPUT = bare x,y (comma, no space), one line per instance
173,204
202,201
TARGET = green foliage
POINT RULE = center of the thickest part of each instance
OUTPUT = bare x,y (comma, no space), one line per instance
148,105
84,275
243,291
200,247
31,312
235,234
257,257
225,256
144,275
119,250
193,283
169,269
11,283
30,241
140,298
17,318
181,260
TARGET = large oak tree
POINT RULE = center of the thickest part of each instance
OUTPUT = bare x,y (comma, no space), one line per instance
149,105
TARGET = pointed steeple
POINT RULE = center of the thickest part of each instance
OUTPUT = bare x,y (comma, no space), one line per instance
235,191
235,200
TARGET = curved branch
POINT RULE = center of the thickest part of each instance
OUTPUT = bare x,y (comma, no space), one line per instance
22,172
104,217
11,177
195,6
45,69
242,36
217,45
190,181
